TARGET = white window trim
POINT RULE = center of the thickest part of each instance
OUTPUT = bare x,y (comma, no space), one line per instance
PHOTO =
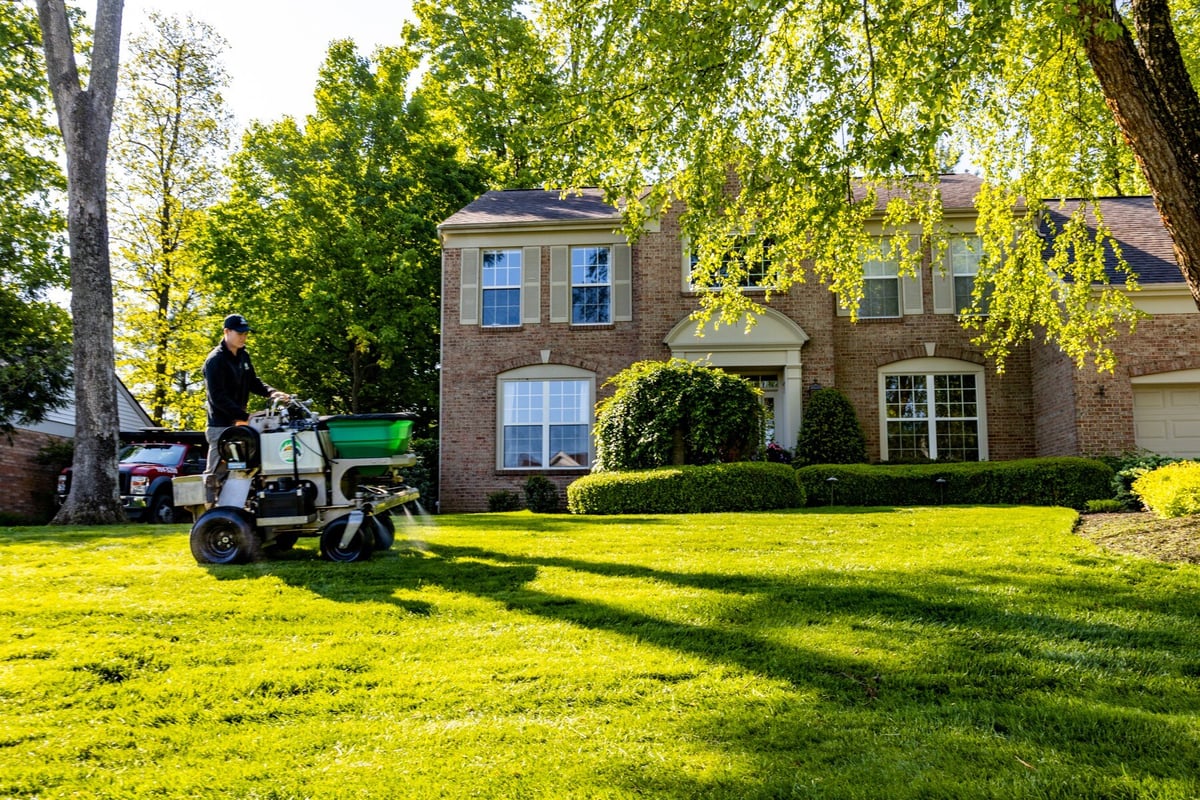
572,285
545,372
689,266
974,245
484,288
930,367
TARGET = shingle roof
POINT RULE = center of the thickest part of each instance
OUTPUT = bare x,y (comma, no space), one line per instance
515,206
958,191
1136,224
1134,221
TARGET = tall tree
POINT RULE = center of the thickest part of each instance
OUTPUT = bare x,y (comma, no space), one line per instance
35,363
329,241
491,79
759,115
171,137
85,119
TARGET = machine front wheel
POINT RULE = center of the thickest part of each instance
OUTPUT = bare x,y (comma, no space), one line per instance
360,546
224,536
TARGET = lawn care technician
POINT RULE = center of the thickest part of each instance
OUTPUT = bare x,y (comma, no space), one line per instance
229,378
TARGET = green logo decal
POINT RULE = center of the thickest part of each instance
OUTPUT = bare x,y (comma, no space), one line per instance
286,453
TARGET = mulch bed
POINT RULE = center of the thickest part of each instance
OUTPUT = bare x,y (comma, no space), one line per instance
1143,534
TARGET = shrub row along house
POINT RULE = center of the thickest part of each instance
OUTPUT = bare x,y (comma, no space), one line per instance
544,299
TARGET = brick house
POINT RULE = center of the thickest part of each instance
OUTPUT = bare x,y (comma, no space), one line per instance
543,299
27,487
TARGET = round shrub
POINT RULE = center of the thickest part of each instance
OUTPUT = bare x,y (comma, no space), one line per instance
675,412
830,432
504,500
1171,491
741,486
541,495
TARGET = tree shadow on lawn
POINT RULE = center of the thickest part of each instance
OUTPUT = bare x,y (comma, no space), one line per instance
948,600
1064,684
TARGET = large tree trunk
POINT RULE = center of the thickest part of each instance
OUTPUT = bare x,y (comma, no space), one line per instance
1148,88
85,118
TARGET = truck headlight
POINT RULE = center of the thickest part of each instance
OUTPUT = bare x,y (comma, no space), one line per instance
62,484
139,483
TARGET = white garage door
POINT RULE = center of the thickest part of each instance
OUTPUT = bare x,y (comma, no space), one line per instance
1166,419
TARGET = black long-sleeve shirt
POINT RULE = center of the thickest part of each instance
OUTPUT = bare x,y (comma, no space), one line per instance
229,379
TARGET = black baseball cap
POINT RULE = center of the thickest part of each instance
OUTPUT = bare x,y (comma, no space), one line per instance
236,322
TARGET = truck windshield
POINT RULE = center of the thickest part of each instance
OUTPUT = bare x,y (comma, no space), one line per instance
167,455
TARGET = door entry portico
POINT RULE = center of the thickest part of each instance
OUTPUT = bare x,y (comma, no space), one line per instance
772,346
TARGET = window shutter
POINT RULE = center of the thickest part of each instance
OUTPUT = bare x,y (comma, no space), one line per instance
943,289
531,285
622,283
910,286
685,266
468,305
560,284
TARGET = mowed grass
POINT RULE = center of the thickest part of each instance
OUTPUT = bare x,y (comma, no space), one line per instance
841,653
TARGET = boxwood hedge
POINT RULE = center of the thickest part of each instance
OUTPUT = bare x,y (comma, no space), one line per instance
738,486
1065,481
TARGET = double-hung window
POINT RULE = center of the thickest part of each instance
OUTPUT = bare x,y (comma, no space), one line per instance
881,286
965,253
933,416
546,424
501,288
751,265
591,285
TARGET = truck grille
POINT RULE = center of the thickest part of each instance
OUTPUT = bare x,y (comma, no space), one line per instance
124,481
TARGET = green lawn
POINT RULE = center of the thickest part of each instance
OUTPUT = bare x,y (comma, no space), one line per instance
927,653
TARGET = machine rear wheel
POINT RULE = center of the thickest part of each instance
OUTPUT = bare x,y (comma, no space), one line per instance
224,536
360,546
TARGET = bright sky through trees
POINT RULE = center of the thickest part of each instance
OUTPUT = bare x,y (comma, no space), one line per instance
277,46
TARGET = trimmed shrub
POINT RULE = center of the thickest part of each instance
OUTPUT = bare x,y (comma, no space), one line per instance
541,495
1128,469
1108,506
1171,491
830,432
1064,481
740,486
504,500
676,412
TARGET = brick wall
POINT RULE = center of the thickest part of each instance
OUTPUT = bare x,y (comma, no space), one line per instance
26,487
1040,405
861,348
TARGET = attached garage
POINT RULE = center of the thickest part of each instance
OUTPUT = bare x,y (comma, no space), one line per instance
1166,414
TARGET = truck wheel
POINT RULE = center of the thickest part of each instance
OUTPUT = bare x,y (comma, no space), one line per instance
162,509
224,536
385,530
360,546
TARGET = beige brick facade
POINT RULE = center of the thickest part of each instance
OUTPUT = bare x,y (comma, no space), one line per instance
1040,405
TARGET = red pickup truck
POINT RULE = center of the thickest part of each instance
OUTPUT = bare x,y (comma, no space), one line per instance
149,459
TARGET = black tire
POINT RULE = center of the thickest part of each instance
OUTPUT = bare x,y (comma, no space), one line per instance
162,509
224,536
360,546
385,531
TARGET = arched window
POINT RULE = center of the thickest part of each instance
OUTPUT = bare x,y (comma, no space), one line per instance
545,418
932,408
